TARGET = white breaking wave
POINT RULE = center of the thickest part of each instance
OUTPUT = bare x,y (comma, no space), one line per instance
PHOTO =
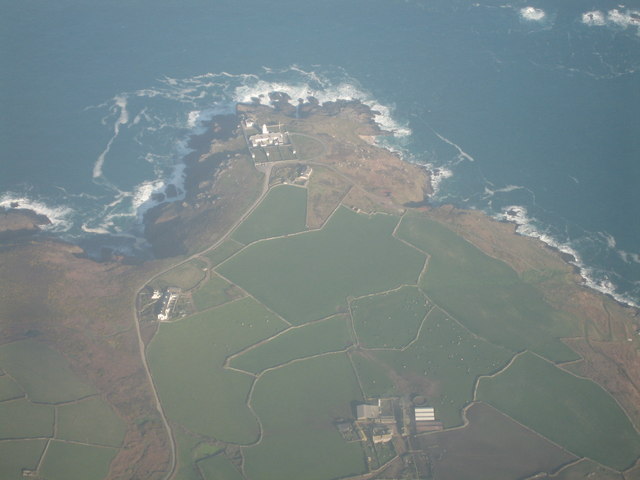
59,215
524,226
322,90
437,175
614,17
532,14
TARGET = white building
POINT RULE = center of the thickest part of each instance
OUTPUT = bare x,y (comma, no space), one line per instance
267,138
425,415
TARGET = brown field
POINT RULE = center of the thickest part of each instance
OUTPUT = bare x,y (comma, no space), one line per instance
491,446
325,191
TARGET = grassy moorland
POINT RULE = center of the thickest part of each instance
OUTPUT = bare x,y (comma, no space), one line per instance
186,359
298,404
328,335
573,412
283,211
42,373
389,320
309,276
485,294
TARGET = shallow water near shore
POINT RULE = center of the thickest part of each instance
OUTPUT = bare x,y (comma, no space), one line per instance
526,111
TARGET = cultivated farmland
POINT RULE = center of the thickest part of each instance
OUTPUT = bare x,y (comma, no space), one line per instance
389,320
214,292
72,461
18,455
283,211
23,419
444,363
187,359
573,412
493,447
219,467
90,421
485,294
328,335
42,373
298,405
309,276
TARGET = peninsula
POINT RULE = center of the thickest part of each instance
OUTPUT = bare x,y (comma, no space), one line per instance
309,315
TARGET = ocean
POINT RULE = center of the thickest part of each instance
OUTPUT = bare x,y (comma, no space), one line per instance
528,111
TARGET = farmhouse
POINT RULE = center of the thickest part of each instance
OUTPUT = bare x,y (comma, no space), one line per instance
368,412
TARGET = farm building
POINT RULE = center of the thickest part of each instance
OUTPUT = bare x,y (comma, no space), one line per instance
425,414
368,412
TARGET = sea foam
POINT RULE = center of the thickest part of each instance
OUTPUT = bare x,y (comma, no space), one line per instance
59,216
532,14
525,225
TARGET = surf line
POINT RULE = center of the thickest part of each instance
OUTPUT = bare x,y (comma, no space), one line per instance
461,152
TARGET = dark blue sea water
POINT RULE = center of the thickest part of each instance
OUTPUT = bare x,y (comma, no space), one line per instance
529,111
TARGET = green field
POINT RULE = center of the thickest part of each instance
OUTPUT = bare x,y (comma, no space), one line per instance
9,388
328,335
309,276
18,455
298,404
189,450
186,359
307,148
90,421
491,447
42,373
185,276
587,469
449,359
283,211
23,419
219,467
223,251
389,319
485,294
373,376
573,412
67,461
214,292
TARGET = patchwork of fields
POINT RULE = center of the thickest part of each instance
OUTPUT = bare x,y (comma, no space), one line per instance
295,325
51,422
